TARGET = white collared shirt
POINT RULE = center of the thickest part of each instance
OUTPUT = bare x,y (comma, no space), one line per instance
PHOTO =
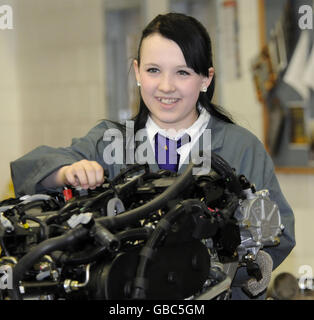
194,131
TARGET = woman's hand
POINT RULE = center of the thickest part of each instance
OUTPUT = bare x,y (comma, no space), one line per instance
86,174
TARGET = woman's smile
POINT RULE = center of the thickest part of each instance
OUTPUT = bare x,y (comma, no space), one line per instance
167,102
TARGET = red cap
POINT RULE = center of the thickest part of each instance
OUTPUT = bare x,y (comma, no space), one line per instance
67,193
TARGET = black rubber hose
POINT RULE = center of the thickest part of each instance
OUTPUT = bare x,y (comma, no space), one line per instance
68,206
105,238
223,168
21,208
132,168
92,201
83,257
45,247
90,256
58,217
134,234
220,165
161,200
64,213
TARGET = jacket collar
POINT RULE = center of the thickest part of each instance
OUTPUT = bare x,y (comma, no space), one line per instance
218,128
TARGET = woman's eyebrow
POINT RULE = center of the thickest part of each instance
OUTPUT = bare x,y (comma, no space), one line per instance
151,64
157,65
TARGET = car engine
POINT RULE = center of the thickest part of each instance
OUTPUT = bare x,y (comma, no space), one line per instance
141,235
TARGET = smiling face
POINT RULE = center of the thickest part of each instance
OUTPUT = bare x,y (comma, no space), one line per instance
169,88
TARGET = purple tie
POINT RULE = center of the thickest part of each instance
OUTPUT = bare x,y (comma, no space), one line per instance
166,153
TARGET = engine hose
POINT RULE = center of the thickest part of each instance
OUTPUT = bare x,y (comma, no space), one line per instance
89,256
45,247
161,200
58,217
223,168
64,213
134,234
72,204
152,175
132,168
92,201
105,238
220,165
83,257
22,207
161,230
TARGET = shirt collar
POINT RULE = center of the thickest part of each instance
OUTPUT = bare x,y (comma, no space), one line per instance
194,130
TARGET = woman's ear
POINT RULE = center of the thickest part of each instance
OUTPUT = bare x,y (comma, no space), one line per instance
136,70
211,73
207,80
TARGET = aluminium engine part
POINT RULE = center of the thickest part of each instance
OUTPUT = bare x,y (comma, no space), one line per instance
259,221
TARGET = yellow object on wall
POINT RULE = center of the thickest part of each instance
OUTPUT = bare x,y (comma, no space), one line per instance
9,192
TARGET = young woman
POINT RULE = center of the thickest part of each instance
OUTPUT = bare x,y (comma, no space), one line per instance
176,79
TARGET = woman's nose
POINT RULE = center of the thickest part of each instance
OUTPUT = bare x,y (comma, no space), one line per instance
166,84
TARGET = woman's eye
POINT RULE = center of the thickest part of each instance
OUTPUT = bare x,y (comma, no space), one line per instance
152,70
183,73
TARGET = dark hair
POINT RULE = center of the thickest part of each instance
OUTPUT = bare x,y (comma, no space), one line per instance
194,42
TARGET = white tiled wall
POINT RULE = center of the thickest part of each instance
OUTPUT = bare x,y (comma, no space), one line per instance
60,63
52,75
10,129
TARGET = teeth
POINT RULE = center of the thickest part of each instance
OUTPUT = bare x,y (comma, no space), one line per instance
167,100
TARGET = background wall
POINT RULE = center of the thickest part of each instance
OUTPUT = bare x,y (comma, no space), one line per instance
52,75
10,117
60,69
52,88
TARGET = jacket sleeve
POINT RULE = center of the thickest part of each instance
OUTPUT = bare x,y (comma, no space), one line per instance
28,171
247,155
259,169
